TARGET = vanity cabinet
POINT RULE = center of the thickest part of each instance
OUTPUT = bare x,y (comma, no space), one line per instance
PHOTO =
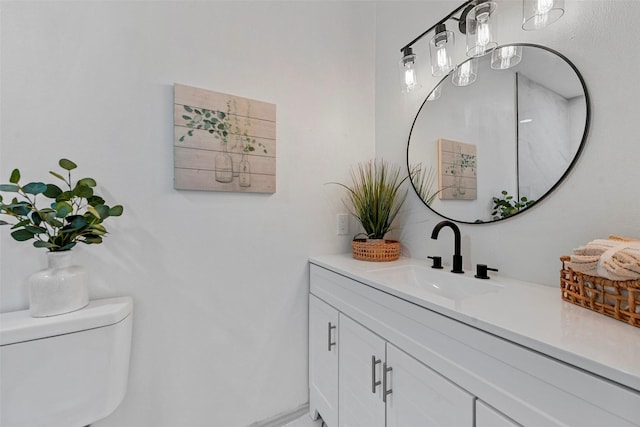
323,360
379,385
439,371
362,355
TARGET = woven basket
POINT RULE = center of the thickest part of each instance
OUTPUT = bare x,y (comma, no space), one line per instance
617,299
375,249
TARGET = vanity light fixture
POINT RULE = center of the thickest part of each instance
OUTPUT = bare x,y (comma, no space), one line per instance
480,27
466,73
506,57
440,48
408,70
538,14
477,20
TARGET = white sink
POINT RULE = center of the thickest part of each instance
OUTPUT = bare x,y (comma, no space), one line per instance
453,286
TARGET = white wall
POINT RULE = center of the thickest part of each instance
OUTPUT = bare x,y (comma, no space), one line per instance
600,196
219,280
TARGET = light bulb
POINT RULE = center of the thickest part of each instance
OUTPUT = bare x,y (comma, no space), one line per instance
466,73
409,78
544,6
506,57
484,33
537,14
440,48
480,28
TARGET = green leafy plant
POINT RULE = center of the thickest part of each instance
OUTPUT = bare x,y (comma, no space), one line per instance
73,214
375,196
423,181
506,205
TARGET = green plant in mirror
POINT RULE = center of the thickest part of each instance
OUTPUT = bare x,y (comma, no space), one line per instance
72,214
506,205
423,181
375,196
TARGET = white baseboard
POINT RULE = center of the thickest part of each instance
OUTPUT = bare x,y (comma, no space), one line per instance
283,418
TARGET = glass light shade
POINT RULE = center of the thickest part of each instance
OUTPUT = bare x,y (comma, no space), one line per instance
466,73
506,57
440,48
409,79
481,26
538,14
435,93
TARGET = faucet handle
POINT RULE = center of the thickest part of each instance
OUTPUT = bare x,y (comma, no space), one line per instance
481,271
437,262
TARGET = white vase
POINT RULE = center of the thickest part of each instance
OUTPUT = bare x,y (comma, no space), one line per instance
60,288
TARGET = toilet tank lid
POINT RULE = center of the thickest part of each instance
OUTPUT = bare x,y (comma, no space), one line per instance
19,326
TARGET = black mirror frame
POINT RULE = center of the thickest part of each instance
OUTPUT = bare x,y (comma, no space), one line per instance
566,172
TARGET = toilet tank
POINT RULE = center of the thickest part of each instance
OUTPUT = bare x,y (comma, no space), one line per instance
64,371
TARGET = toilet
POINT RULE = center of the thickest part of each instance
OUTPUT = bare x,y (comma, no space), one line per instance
64,371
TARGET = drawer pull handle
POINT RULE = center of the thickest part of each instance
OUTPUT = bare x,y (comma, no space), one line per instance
374,383
329,342
385,392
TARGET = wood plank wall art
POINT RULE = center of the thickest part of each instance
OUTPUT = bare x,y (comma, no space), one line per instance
223,142
457,170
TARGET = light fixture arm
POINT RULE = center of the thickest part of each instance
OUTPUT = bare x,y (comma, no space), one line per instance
442,21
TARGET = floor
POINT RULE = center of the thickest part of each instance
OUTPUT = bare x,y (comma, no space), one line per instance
304,421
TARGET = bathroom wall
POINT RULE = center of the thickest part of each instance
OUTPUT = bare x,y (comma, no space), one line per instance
600,196
219,280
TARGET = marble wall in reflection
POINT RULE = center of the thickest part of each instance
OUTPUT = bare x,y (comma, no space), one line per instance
549,133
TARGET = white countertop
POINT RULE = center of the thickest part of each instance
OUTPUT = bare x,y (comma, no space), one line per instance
525,313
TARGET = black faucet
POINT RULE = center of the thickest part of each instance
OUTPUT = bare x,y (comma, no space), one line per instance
457,257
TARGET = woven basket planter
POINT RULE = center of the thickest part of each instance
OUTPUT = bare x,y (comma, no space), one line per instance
617,299
375,249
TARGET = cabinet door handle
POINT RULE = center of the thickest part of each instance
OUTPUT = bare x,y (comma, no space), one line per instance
374,383
329,342
385,392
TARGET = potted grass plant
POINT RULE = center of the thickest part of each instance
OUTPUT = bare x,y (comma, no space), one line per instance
375,197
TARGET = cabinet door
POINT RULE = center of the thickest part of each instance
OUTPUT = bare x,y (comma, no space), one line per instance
362,354
421,397
486,416
323,361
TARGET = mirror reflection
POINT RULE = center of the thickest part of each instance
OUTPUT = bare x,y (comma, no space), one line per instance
488,150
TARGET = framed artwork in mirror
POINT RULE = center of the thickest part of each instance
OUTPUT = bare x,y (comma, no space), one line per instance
457,170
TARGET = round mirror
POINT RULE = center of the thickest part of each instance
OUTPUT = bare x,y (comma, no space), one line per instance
498,134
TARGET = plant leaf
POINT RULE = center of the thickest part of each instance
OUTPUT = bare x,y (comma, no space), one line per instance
116,210
35,188
66,247
15,176
57,175
22,235
89,182
90,239
64,196
82,191
67,164
188,109
52,191
102,210
43,244
62,209
9,187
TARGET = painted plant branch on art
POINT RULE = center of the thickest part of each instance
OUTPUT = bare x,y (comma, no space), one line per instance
223,142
